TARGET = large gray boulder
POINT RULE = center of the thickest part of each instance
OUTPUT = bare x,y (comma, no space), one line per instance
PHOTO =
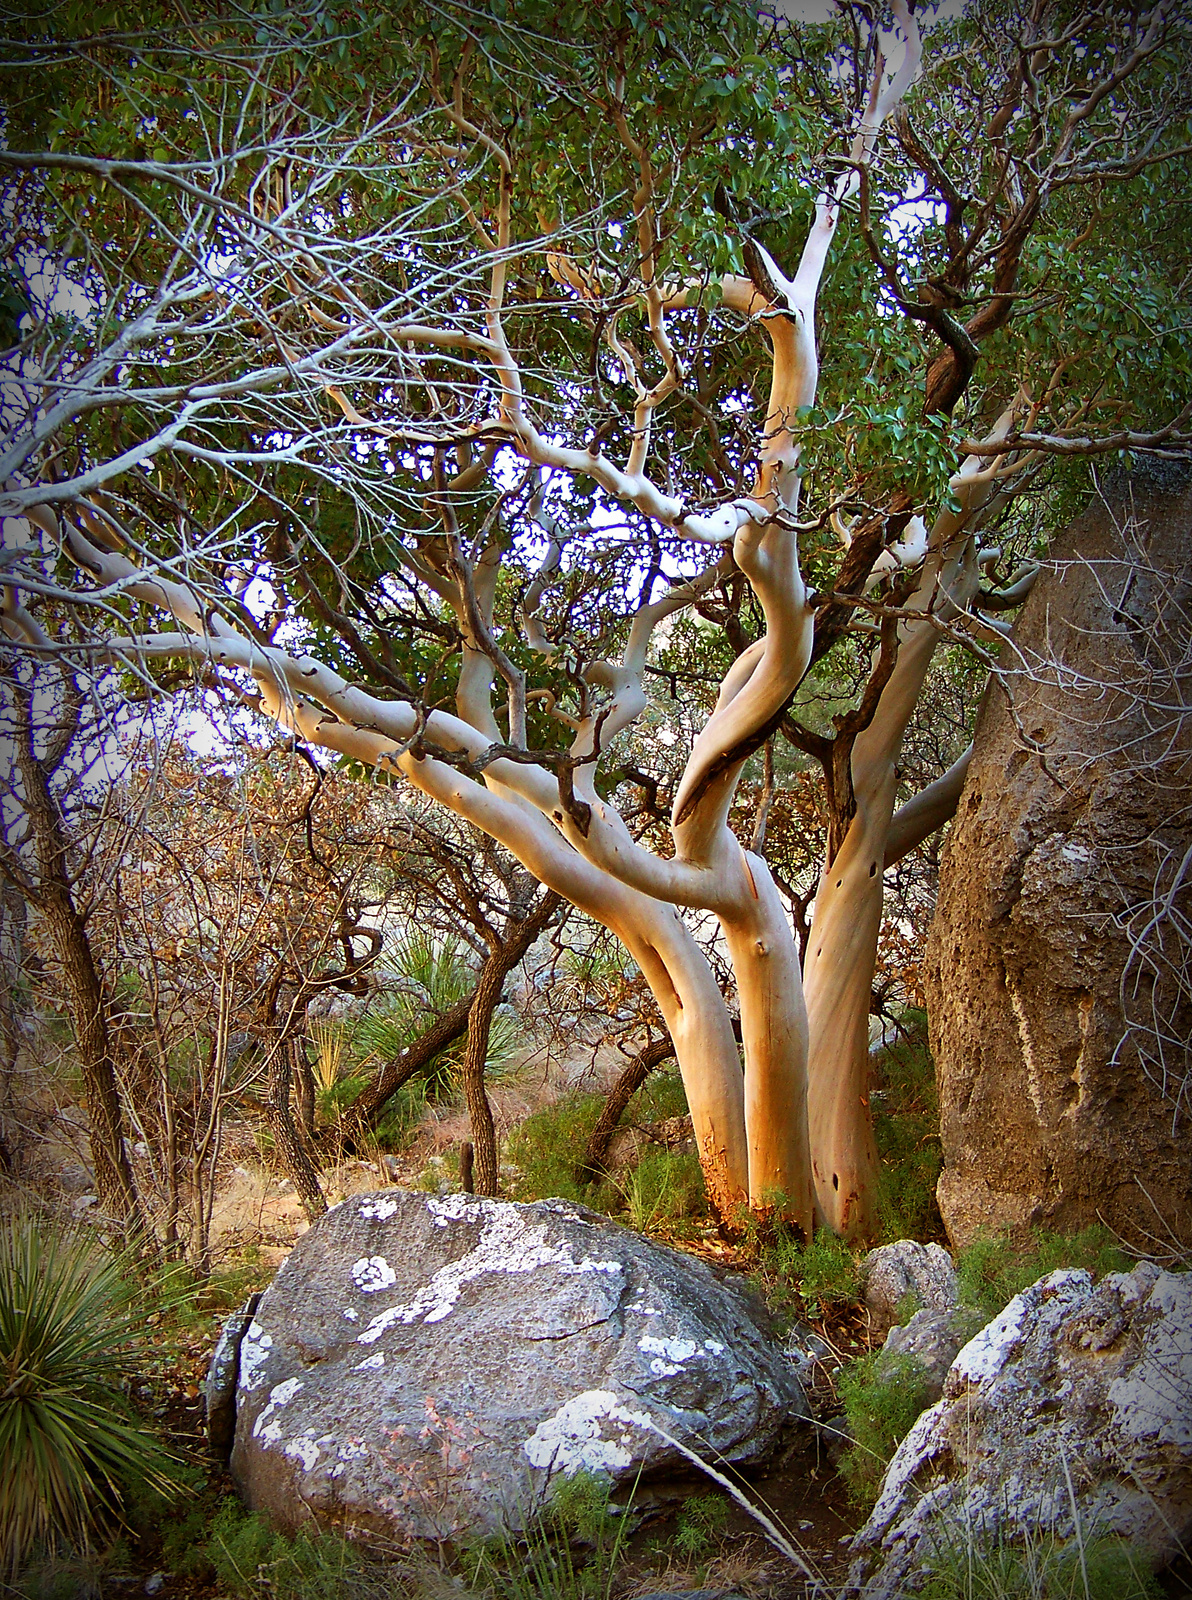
426,1365
1074,1404
1056,969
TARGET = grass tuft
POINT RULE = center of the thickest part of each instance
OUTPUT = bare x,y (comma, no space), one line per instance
883,1395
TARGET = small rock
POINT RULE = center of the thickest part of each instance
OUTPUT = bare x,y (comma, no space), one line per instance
75,1179
895,1273
154,1583
934,1338
806,1351
82,1203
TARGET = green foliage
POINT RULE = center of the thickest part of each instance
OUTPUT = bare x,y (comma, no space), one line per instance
1039,1568
72,1447
254,1562
546,1146
431,975
700,1522
664,1188
661,1096
906,1130
402,1114
882,1394
991,1272
570,1552
829,1274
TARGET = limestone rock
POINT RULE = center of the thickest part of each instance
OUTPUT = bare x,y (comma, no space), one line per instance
1059,1027
935,1339
423,1365
222,1376
893,1271
1074,1393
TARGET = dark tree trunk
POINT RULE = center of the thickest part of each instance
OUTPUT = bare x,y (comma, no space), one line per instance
291,1147
591,1163
484,1135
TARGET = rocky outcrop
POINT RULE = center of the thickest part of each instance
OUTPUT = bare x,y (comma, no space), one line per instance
906,1274
1074,1406
1058,969
934,1339
423,1365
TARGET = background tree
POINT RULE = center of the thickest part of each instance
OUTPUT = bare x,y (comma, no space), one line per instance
424,419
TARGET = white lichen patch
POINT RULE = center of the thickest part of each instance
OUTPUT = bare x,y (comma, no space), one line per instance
669,1354
508,1242
351,1314
254,1352
304,1449
381,1209
371,1363
266,1428
573,1440
372,1273
714,1346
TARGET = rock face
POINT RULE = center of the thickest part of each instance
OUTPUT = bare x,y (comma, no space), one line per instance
1060,1024
934,1338
422,1365
892,1272
1073,1394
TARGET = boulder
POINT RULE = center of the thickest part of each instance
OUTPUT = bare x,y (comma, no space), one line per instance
426,1365
1056,969
1073,1405
935,1339
895,1272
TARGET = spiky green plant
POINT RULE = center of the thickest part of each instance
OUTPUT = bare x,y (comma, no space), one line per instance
70,1443
429,976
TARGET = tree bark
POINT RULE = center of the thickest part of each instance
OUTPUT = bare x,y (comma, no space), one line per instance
484,1134
291,1148
592,1163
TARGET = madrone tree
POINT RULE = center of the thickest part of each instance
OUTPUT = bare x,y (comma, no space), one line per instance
422,365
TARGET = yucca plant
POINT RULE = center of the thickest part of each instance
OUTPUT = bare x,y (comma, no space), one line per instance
69,1440
430,975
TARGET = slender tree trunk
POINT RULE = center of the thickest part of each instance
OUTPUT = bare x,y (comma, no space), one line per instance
87,1004
291,1148
484,1135
304,1088
592,1163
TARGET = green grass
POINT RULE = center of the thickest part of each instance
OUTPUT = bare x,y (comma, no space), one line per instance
253,1562
664,1189
72,1334
990,1272
700,1524
883,1395
661,1096
1040,1567
569,1552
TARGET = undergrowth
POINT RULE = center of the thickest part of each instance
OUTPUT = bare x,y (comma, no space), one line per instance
906,1130
990,1272
569,1552
546,1147
252,1561
1040,1567
883,1395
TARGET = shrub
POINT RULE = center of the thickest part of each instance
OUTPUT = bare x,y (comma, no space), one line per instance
829,1274
990,1272
254,1562
701,1520
546,1147
662,1095
883,1395
906,1130
71,1444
